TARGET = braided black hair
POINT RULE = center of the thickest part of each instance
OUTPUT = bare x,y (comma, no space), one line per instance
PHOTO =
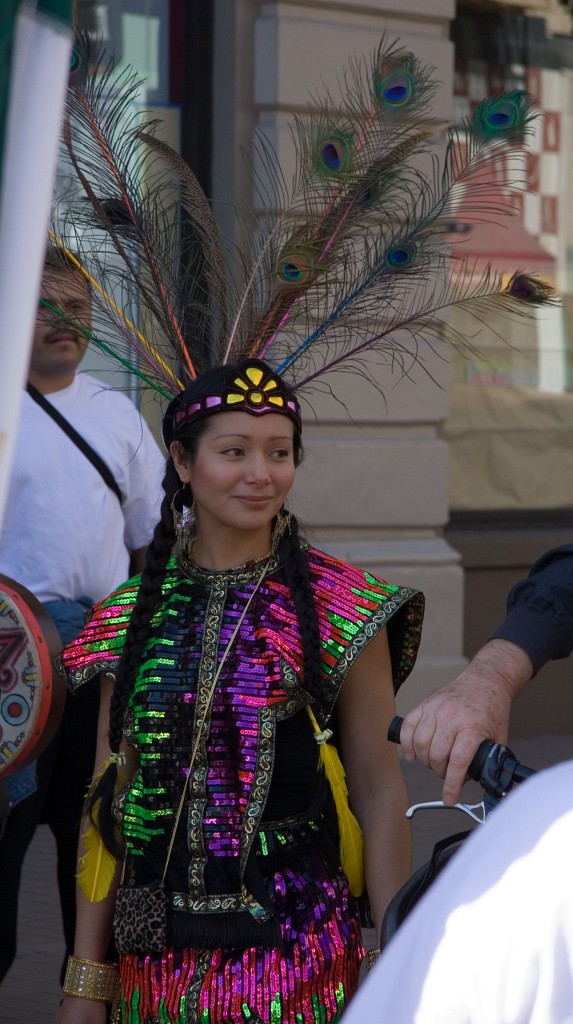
148,597
294,561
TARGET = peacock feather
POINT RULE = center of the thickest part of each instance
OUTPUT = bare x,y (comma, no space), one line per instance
352,257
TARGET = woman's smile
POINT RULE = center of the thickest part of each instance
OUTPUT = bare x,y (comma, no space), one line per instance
254,499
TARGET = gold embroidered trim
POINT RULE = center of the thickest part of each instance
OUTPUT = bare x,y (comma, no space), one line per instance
225,577
261,786
222,904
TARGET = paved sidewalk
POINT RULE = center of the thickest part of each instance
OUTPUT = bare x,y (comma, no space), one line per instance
31,992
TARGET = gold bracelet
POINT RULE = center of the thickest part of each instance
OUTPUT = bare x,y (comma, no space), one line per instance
89,979
371,958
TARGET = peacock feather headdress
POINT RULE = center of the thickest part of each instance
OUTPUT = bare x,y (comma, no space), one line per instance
354,256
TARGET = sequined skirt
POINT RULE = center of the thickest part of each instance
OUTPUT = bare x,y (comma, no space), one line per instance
308,981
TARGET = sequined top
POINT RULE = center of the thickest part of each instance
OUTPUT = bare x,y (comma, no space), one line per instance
261,685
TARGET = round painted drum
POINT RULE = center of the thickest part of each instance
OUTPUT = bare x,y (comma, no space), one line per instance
32,693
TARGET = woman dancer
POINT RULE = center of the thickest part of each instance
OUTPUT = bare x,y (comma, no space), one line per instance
233,660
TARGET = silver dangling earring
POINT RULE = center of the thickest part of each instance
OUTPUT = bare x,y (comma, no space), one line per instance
282,524
184,519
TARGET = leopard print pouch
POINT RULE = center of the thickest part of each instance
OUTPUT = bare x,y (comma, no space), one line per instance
140,919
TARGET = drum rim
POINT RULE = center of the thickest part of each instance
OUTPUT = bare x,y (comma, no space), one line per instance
48,644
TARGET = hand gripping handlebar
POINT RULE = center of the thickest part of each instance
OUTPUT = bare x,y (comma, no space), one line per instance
493,765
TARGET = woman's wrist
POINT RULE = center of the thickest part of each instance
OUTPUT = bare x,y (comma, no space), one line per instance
91,979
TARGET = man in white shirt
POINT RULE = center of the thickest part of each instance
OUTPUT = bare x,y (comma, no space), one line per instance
70,539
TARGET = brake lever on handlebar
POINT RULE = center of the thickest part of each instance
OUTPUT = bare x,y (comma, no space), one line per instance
468,809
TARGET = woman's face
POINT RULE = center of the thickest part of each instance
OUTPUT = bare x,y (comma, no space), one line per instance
242,471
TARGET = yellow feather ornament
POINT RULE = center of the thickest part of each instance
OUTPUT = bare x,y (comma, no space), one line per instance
351,842
97,866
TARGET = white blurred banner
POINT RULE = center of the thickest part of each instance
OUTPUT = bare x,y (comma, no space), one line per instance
35,44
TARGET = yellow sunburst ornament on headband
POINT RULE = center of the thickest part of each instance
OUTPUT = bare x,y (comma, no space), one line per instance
256,387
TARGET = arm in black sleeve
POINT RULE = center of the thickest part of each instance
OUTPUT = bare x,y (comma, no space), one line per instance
540,609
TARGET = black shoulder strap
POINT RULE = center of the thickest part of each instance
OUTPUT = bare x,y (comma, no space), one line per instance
86,449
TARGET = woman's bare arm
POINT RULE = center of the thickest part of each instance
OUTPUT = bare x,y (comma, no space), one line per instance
377,791
94,920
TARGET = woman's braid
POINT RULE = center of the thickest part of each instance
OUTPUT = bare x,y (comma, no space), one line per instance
148,598
294,562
